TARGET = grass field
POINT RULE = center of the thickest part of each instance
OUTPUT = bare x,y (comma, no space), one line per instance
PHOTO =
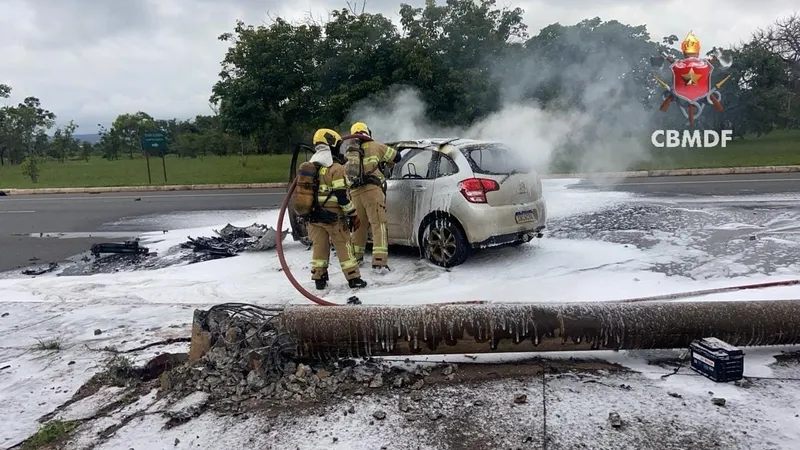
779,148
133,172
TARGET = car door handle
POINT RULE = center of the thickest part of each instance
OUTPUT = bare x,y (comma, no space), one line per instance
419,188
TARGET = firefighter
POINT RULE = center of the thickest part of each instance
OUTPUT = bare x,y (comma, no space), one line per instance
333,217
365,167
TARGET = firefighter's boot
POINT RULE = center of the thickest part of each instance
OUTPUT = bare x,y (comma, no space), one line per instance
321,283
356,283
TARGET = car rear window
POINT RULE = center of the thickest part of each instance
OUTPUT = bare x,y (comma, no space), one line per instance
494,159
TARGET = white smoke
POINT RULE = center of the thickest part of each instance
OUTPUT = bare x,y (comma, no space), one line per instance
725,60
600,116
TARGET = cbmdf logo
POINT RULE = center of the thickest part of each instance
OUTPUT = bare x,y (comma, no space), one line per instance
691,89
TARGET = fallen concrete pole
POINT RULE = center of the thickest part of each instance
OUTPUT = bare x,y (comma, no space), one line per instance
358,331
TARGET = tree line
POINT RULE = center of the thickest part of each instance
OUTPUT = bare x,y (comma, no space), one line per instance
282,80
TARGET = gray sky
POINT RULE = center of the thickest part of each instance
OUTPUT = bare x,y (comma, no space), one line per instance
90,60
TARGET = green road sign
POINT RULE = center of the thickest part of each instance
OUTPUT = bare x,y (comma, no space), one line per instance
154,142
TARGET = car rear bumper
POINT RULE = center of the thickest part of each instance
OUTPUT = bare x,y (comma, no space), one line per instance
488,226
505,239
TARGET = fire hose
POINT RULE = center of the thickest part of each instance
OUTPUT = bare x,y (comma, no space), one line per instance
279,230
282,257
664,297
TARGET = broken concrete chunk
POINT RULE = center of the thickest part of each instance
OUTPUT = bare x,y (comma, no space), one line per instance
376,382
255,382
434,415
379,415
614,419
302,371
402,404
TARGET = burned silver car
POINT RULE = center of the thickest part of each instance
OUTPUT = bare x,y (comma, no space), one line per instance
448,197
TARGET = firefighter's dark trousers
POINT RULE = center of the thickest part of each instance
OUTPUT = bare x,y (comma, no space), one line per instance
323,235
370,203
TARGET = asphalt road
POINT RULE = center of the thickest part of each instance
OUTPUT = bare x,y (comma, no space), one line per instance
21,216
755,184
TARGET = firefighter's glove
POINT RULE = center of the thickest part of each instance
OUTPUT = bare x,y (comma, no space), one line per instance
353,223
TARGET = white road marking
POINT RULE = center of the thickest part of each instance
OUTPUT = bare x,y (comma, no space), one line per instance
16,212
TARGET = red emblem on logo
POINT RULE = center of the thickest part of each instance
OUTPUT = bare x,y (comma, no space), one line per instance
691,78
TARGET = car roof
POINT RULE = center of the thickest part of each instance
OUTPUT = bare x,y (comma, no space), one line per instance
440,143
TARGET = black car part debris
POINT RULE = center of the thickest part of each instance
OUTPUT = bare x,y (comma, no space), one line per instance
212,246
126,248
231,240
41,270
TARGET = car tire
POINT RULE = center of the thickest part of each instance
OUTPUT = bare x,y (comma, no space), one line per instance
443,243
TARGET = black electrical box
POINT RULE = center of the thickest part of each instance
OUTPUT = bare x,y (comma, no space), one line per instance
716,359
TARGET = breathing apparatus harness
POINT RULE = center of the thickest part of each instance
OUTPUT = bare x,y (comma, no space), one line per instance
354,155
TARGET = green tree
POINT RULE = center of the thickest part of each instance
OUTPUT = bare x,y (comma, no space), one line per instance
358,58
128,129
86,151
453,53
31,168
24,130
5,130
64,145
110,143
266,90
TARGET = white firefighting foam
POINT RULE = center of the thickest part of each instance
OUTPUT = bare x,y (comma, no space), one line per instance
133,307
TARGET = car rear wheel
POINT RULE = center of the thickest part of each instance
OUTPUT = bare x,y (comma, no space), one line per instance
444,244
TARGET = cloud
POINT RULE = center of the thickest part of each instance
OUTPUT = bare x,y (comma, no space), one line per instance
90,60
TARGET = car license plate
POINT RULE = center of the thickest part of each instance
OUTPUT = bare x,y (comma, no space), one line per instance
525,216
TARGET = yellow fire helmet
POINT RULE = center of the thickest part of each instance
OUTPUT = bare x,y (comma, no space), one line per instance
360,127
327,136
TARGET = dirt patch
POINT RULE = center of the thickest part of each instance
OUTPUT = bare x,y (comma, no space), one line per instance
535,367
787,358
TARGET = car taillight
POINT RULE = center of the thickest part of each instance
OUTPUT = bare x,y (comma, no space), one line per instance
475,189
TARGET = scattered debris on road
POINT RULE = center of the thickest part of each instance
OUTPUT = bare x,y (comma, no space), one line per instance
126,248
41,270
232,240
